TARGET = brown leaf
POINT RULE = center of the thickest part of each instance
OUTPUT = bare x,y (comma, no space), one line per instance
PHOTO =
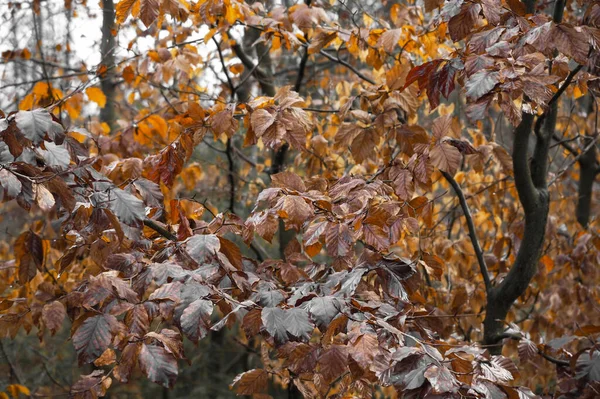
441,126
338,239
376,236
320,40
53,315
461,24
527,350
30,253
159,365
127,362
251,382
333,362
252,323
123,9
389,39
363,145
431,5
570,42
445,157
138,320
261,120
107,358
148,11
294,210
223,122
94,336
288,180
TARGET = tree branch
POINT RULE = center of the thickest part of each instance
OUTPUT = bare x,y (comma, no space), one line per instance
525,188
350,67
229,82
263,78
472,235
160,230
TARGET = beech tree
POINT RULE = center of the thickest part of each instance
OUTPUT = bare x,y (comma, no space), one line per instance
373,199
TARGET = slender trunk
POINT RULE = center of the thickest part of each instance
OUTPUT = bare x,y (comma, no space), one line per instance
15,44
107,48
587,175
588,168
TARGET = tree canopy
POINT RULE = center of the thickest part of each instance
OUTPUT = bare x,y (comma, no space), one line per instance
367,199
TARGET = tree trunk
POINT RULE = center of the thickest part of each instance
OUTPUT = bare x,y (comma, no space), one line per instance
107,49
588,168
531,184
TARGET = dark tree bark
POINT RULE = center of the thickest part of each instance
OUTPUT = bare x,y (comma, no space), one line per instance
107,50
588,170
531,184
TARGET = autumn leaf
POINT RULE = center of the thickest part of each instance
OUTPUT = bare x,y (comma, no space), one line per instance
195,320
148,11
30,252
251,382
389,39
123,9
36,124
445,157
274,321
53,315
481,83
96,95
202,247
94,336
158,364
127,207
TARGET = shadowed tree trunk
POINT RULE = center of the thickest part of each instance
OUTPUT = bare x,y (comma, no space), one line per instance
107,49
531,184
588,169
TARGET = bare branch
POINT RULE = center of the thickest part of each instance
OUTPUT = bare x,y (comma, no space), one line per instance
160,229
472,234
263,79
350,67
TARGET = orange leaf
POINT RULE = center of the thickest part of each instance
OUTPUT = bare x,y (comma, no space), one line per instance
96,95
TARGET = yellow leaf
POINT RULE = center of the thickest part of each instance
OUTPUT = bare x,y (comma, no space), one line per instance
16,389
153,125
27,102
40,89
96,95
73,105
579,91
231,14
3,395
105,128
236,68
123,10
548,263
